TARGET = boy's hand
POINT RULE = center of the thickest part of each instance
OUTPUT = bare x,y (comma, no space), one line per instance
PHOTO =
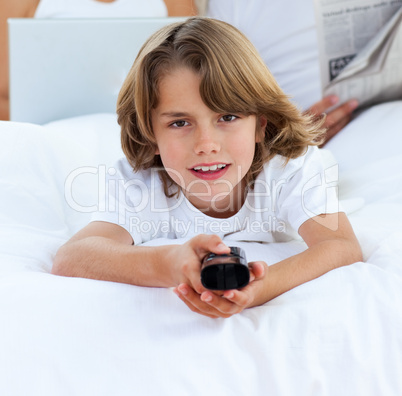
187,259
225,304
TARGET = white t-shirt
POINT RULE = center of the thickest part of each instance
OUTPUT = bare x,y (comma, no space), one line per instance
97,9
284,33
284,197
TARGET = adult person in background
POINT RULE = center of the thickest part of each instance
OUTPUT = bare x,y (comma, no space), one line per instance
77,9
284,32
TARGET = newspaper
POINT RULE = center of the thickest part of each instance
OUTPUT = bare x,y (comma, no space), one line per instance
360,46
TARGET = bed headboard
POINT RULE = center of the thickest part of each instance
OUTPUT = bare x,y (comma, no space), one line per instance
62,68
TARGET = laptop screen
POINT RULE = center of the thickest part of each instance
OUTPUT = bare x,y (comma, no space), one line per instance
61,68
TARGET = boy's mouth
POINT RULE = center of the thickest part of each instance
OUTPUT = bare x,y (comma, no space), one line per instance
209,172
211,168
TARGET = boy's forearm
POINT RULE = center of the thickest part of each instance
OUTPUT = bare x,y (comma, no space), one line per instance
104,259
308,265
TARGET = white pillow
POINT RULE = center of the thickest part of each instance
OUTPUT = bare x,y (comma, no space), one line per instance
36,216
87,148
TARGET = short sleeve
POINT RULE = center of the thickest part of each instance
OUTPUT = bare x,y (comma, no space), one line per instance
122,193
310,189
134,201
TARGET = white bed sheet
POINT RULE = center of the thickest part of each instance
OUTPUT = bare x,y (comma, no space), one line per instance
340,334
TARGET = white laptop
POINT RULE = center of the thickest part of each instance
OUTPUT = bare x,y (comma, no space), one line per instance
62,68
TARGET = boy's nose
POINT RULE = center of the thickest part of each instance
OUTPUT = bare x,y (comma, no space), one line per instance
206,141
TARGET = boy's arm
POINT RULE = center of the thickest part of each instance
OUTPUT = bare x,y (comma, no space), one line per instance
331,244
106,251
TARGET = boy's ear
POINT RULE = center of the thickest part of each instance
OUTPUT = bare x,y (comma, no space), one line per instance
262,124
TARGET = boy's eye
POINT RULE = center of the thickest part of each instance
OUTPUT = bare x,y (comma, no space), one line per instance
228,117
179,124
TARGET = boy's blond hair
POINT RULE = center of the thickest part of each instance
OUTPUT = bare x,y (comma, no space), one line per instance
234,80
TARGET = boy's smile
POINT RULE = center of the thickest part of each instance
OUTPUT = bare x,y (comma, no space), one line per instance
209,171
206,153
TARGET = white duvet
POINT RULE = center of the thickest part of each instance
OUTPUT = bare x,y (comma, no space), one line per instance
338,335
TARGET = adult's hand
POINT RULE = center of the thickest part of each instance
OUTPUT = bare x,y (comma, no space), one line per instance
337,118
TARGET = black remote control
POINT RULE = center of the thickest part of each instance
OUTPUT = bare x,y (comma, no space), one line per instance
225,271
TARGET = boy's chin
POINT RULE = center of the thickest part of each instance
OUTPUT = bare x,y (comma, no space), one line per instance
211,199
218,203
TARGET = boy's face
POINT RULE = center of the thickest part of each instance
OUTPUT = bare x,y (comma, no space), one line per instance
207,154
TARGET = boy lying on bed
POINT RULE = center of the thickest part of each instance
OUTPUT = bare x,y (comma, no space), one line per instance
211,144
